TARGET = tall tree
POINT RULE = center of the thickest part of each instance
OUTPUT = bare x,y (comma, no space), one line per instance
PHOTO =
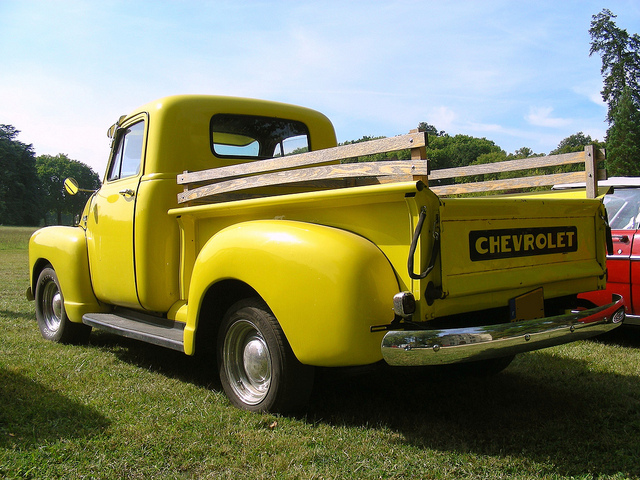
19,201
52,170
623,138
620,54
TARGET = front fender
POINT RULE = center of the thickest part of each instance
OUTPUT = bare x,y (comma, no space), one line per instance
65,249
325,286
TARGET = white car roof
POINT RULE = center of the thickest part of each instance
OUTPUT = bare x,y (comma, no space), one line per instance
610,182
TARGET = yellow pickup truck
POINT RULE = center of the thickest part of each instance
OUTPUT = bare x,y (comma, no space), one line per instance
231,226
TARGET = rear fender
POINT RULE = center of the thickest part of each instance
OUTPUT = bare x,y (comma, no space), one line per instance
325,286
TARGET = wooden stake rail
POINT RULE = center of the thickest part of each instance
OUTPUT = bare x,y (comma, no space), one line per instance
311,169
318,169
590,175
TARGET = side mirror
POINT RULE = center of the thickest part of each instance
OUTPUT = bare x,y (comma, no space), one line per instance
71,186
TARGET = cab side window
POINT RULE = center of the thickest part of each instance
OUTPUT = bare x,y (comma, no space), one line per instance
127,156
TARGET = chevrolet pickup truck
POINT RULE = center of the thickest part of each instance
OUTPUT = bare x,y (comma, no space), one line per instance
231,227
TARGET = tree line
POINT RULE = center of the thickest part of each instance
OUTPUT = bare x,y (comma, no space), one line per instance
32,192
31,188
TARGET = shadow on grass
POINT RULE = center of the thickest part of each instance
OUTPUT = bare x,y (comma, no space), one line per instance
625,336
198,370
543,408
552,413
31,414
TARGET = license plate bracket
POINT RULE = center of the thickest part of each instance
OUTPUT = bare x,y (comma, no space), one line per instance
527,306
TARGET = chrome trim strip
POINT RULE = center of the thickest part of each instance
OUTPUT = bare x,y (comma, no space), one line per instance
624,257
457,345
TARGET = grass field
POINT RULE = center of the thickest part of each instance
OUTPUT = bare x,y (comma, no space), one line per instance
116,408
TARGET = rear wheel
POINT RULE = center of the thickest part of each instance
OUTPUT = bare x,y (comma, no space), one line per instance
258,370
52,318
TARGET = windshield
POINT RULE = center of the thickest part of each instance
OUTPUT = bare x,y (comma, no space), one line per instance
623,208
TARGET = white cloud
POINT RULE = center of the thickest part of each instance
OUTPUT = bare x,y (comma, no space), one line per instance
592,92
541,117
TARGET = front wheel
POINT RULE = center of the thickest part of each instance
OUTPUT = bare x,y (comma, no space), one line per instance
258,370
52,318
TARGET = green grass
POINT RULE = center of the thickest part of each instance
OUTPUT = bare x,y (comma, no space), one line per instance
120,409
15,238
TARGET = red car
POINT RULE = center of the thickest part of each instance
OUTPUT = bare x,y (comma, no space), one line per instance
623,209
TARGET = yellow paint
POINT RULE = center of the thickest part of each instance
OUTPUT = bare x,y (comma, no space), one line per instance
325,286
65,249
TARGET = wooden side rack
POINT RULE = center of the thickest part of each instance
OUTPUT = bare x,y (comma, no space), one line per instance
320,170
589,176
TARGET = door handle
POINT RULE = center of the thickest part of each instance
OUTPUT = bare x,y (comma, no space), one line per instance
621,238
127,192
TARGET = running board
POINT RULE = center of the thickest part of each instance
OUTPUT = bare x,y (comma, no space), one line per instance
139,326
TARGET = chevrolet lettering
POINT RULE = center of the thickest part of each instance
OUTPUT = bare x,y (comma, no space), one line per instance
521,242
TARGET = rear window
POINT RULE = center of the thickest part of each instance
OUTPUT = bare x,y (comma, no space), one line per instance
256,137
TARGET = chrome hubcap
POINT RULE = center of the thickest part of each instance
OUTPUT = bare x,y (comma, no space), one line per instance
247,362
52,306
256,361
57,305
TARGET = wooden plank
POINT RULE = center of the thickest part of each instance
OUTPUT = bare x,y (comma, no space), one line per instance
590,169
300,187
509,165
355,182
520,164
349,170
514,183
420,153
318,157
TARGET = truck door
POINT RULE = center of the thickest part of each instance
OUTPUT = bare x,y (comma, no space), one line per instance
110,224
623,207
634,307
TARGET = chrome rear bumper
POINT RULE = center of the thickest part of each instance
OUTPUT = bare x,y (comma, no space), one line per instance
632,320
457,345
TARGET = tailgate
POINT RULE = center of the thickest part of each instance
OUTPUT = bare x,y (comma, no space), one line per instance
507,246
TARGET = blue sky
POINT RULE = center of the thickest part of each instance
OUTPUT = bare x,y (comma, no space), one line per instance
515,72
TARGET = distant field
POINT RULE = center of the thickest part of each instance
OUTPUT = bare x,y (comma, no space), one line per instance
15,238
116,408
